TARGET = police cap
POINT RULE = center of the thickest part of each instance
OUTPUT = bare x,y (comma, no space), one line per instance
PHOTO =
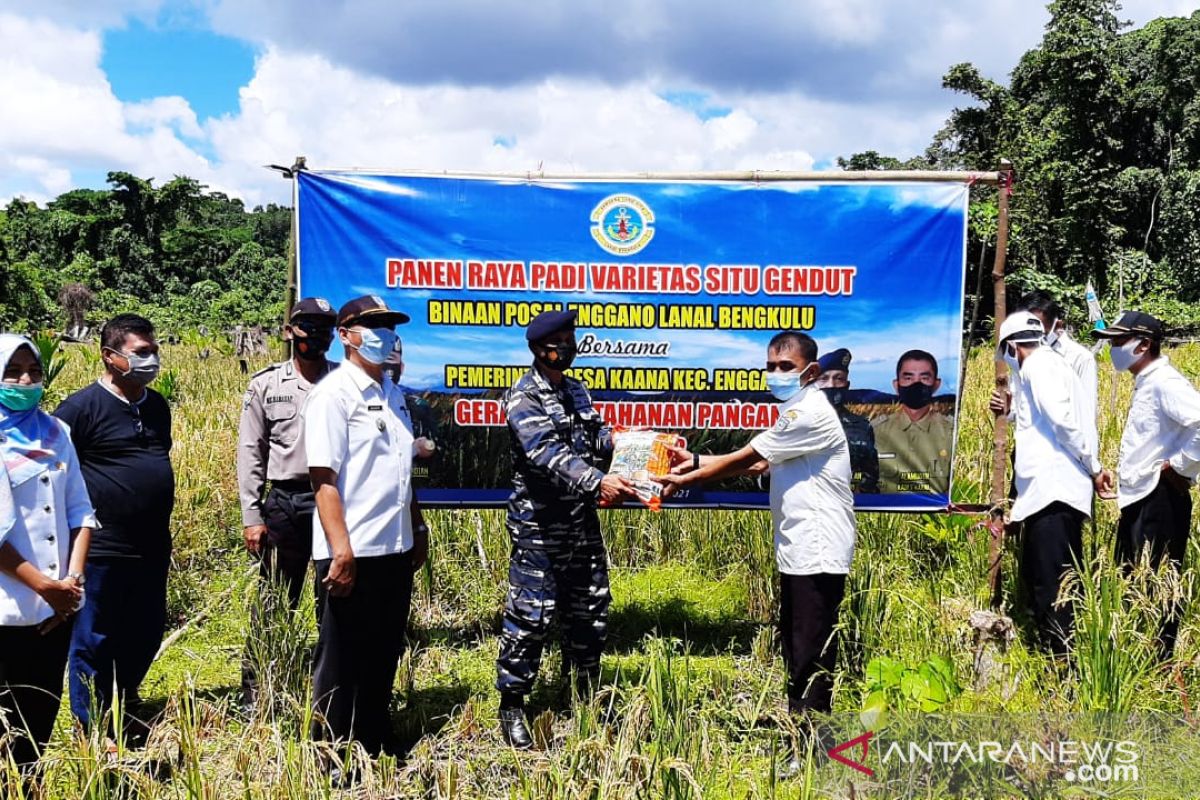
550,322
315,308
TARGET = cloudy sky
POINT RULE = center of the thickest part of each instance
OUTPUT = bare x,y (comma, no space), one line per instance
215,89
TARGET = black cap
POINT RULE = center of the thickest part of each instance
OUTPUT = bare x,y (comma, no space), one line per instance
1136,323
314,308
369,310
549,322
837,359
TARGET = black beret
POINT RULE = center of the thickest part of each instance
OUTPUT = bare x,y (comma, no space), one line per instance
549,322
836,359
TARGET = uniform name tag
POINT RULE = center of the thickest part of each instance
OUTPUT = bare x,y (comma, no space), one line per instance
374,408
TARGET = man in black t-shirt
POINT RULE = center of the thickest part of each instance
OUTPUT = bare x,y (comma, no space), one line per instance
122,432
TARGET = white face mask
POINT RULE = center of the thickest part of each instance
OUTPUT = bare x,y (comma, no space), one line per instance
1052,332
1010,358
1124,357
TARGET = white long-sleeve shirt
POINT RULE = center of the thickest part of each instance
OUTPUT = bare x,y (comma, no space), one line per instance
1055,455
1083,363
1163,425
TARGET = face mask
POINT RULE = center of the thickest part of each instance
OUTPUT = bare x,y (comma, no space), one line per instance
916,395
142,369
1123,357
1052,333
377,344
1010,358
312,348
16,397
556,356
836,395
784,385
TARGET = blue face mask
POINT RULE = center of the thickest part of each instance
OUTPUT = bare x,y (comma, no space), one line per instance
785,385
16,397
377,344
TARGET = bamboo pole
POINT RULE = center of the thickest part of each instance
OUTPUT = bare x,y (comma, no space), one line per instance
758,176
1000,432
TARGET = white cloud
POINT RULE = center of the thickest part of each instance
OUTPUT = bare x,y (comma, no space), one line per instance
62,119
60,115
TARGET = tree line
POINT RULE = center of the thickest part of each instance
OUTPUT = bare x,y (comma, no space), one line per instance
183,256
1102,125
1101,122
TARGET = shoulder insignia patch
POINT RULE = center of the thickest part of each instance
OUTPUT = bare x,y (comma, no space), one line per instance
786,419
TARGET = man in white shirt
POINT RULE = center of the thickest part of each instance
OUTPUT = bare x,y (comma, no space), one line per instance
1160,450
812,509
368,536
1055,471
1081,360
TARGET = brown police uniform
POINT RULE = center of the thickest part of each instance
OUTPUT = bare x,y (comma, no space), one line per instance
914,456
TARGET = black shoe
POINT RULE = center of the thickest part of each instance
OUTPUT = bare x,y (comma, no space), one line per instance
514,729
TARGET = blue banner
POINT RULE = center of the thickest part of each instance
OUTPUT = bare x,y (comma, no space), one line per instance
679,286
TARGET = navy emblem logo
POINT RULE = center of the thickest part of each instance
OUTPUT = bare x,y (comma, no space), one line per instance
622,224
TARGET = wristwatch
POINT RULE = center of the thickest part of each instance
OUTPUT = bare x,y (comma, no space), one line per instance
78,577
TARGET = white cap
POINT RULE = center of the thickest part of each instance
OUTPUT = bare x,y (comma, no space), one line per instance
1020,326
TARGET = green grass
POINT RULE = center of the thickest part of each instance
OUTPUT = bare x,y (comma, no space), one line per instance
692,668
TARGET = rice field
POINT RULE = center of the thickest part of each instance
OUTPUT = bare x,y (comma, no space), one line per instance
693,702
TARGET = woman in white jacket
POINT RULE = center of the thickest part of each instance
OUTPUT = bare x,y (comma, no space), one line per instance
46,522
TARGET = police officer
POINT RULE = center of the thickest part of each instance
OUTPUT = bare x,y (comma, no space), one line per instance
864,459
914,443
278,523
559,566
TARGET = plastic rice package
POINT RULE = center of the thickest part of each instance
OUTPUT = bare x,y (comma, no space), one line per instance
640,455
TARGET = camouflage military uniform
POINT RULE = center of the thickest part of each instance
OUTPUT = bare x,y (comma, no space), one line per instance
914,456
864,459
559,566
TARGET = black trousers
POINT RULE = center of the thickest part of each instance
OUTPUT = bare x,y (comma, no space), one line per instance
808,611
1052,544
283,559
359,646
1161,522
31,684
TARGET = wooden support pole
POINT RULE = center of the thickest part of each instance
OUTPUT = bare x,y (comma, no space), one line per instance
293,243
1000,432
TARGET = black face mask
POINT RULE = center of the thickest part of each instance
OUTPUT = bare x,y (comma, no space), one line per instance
312,348
916,395
836,395
555,356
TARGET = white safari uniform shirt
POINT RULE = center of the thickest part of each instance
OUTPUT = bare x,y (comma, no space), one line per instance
48,507
1163,425
1055,458
811,503
362,431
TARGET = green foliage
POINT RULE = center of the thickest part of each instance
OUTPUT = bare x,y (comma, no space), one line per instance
1103,129
892,685
180,255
